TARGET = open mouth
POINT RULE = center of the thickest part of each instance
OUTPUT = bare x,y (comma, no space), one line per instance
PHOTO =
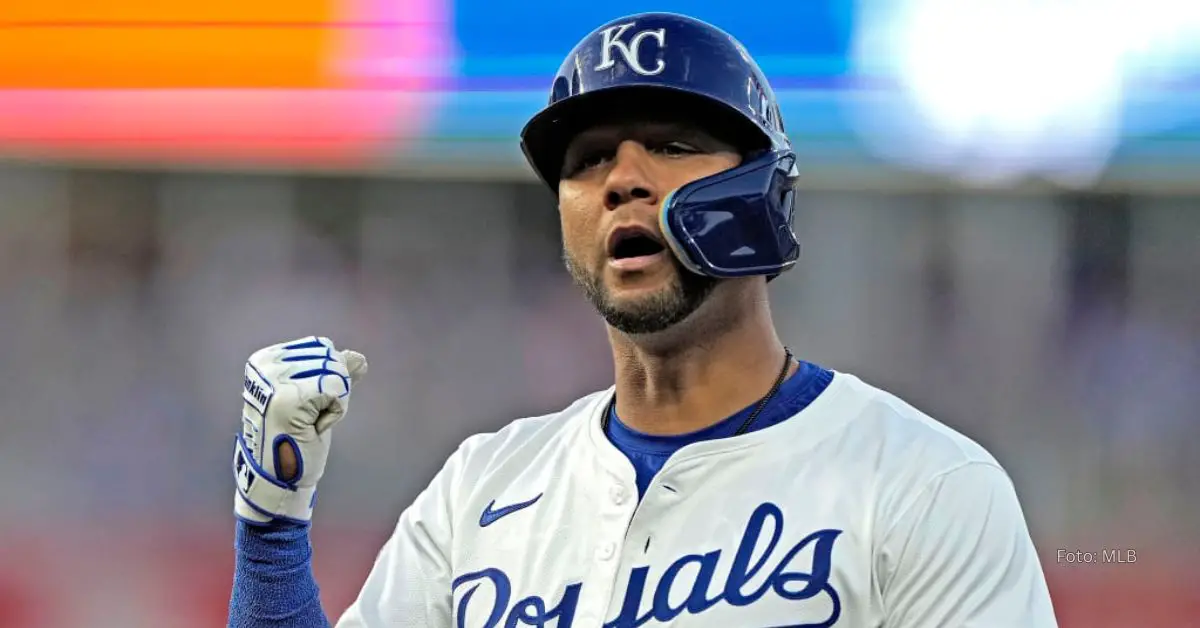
629,243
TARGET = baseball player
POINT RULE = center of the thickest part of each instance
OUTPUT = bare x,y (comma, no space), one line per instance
721,482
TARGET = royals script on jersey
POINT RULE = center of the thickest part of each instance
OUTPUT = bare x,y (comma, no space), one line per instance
860,511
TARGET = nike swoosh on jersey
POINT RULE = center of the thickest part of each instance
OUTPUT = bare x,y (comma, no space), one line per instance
491,516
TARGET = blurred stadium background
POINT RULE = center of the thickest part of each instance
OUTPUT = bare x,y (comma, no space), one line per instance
1001,223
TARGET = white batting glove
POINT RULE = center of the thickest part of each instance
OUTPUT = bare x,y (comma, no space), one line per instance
294,393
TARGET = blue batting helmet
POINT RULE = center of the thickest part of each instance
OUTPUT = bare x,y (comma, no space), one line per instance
732,224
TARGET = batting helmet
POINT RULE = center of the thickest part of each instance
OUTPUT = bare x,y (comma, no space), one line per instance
732,224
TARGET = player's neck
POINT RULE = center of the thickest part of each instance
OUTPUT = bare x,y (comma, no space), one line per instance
684,388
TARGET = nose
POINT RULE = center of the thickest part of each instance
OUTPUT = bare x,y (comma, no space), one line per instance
629,178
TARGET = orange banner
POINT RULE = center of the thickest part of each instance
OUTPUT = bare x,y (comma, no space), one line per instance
150,44
280,81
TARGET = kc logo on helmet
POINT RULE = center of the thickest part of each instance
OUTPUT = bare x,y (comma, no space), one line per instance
612,38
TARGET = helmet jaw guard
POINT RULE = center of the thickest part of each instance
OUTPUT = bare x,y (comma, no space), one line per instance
735,223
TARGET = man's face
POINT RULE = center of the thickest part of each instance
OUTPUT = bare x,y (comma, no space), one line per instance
614,180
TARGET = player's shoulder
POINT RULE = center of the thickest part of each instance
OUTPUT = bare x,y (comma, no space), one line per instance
904,437
529,441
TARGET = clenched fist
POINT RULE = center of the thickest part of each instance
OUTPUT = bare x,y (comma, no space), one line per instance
294,393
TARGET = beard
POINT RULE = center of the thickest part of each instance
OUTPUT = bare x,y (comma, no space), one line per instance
652,313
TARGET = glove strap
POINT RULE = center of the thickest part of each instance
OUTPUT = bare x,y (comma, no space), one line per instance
261,498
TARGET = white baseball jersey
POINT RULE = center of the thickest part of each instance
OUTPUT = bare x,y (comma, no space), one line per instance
859,511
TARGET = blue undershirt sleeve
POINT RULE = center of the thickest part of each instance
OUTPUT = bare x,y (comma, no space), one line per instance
273,582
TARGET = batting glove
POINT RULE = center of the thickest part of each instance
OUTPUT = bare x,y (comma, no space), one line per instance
294,393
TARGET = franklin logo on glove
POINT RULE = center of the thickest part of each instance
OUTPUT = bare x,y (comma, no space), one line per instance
258,391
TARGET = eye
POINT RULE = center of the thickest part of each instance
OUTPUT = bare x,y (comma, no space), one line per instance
585,161
675,149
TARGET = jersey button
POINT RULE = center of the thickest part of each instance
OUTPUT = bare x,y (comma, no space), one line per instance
606,551
618,494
